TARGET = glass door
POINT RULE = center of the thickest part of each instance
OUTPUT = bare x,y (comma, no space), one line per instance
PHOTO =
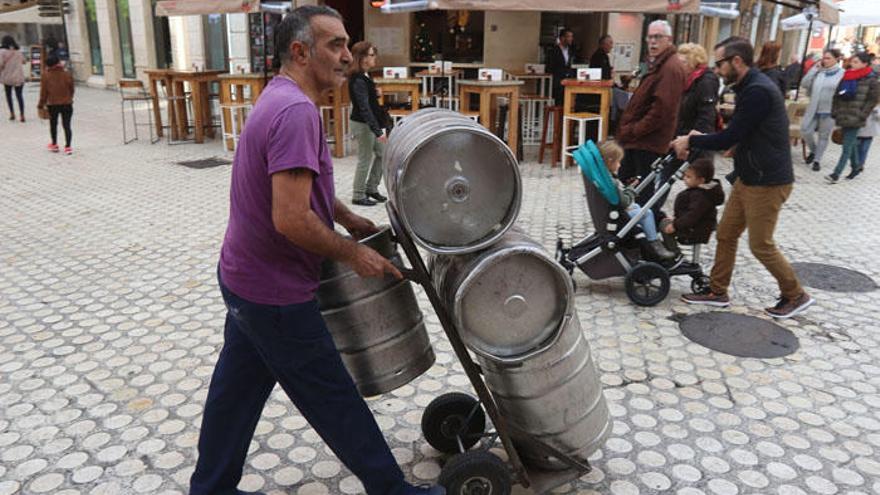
126,47
215,41
94,41
162,39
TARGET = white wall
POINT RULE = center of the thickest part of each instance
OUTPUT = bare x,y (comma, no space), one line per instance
511,39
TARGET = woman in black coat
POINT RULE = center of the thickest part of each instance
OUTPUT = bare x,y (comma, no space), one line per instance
367,124
768,63
697,111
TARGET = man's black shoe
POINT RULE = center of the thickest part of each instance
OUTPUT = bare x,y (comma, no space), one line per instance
810,158
816,167
378,197
854,173
363,202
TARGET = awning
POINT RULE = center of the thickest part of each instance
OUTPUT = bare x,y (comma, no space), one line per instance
859,13
724,10
27,14
204,7
637,6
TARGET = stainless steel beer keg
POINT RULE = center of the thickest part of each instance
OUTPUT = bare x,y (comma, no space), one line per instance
554,395
455,185
376,323
506,300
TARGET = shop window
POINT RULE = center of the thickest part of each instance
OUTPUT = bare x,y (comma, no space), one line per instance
455,35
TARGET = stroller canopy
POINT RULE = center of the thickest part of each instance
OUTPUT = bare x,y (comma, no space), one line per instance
593,167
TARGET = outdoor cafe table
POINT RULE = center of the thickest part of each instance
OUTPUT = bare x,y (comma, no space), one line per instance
232,92
164,76
199,82
486,90
543,82
428,78
393,85
601,88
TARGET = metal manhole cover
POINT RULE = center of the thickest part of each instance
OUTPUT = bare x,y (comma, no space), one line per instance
205,162
738,335
833,278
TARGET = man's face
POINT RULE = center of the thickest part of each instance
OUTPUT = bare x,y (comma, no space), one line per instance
608,44
567,38
724,67
658,40
330,57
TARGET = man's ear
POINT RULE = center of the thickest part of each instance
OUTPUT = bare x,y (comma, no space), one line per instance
299,52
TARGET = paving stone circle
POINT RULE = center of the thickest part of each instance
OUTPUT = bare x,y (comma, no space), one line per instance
833,278
738,335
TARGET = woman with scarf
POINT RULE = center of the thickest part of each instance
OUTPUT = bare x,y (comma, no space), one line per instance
820,84
697,110
857,95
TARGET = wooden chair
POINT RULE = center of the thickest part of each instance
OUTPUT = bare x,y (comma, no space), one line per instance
796,111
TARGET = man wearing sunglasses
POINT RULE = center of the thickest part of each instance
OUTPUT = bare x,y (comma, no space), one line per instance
763,179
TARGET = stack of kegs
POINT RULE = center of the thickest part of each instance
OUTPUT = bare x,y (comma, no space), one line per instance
376,323
457,190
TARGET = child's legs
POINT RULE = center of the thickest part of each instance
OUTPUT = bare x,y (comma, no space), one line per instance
647,223
66,114
20,96
8,90
54,112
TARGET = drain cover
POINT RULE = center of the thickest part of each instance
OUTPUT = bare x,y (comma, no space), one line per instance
738,335
205,162
833,278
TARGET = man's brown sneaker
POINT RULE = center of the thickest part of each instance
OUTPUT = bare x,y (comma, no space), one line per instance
786,308
707,299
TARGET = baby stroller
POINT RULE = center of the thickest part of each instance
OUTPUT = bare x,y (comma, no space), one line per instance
614,250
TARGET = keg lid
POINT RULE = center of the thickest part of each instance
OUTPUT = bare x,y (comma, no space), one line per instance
512,302
461,188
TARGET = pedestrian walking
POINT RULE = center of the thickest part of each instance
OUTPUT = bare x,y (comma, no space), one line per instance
820,85
768,63
763,179
56,95
856,97
281,215
368,125
12,75
645,126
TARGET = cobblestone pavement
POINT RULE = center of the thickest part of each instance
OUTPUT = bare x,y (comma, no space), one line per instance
110,323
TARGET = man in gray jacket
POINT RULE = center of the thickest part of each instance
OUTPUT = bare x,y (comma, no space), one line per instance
820,84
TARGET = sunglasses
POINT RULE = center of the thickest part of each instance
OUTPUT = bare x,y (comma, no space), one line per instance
719,63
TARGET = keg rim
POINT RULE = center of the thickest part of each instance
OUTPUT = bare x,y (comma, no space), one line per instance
512,213
496,257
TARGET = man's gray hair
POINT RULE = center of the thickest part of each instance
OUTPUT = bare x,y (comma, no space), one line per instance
667,29
297,26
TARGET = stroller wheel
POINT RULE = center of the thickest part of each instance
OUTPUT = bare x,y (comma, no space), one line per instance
700,284
647,284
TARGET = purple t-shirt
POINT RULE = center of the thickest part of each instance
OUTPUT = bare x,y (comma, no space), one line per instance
283,132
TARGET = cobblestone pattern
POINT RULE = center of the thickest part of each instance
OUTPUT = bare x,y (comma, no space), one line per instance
110,323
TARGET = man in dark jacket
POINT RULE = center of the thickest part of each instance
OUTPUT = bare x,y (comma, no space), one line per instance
600,58
764,179
647,124
559,60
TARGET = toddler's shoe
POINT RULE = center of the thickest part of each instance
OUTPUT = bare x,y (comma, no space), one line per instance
52,147
68,150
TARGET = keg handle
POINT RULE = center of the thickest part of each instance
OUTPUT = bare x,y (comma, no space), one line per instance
408,273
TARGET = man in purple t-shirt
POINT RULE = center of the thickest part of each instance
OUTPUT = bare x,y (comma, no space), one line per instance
281,215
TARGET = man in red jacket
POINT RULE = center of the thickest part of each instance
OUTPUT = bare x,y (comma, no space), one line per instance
648,123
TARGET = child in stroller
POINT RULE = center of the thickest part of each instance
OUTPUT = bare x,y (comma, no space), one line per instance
616,248
696,208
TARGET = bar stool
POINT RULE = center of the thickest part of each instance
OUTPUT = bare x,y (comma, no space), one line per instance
328,118
175,119
231,128
581,120
552,115
133,91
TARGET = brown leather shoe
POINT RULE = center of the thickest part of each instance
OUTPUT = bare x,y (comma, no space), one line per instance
707,299
786,308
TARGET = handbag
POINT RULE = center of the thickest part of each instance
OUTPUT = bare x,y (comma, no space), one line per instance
837,136
43,113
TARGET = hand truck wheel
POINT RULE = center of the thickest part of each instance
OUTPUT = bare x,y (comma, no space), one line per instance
450,417
476,473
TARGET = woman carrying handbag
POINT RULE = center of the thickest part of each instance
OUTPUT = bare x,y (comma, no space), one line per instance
854,102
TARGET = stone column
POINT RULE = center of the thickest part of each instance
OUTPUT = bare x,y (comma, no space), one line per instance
78,41
142,36
108,32
239,47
